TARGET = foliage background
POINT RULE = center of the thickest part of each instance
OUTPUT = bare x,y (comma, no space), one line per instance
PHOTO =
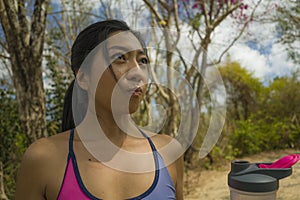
261,116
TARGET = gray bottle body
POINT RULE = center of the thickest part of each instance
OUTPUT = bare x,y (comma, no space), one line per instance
249,182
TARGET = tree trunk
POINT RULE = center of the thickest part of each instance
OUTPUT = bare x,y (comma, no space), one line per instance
25,41
171,124
2,192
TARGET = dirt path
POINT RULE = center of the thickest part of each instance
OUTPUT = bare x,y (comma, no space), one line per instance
212,184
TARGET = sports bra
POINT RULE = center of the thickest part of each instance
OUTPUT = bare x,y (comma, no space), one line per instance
72,187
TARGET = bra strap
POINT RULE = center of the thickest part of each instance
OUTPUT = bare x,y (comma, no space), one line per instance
71,141
149,140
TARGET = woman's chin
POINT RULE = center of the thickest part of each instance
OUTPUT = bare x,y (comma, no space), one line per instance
134,104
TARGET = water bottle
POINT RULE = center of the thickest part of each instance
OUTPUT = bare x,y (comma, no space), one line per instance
247,181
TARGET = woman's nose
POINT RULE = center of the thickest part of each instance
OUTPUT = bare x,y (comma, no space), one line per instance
137,73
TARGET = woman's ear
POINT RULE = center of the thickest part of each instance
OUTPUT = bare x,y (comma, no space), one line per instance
82,80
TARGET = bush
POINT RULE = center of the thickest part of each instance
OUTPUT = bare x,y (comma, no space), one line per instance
12,141
255,135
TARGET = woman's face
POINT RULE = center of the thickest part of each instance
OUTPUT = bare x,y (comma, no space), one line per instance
122,87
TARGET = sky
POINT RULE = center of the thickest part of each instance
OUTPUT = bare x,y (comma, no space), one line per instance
257,50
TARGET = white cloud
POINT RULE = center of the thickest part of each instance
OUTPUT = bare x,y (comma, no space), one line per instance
264,57
251,60
278,61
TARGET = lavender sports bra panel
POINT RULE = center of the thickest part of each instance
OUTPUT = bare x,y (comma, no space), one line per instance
72,187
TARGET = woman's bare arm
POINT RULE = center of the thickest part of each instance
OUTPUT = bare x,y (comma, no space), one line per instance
179,181
32,173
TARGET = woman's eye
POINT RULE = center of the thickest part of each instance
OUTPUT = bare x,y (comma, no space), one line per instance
118,57
144,61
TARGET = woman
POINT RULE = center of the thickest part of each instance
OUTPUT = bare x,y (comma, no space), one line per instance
98,154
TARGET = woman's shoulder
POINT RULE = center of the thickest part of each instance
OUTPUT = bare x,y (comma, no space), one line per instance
165,142
171,151
41,162
46,148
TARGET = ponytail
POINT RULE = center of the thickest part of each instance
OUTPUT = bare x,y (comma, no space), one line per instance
67,119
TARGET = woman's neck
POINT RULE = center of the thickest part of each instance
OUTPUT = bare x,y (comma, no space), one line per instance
116,126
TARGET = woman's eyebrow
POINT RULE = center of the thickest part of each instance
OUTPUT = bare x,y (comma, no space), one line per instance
125,49
118,48
141,52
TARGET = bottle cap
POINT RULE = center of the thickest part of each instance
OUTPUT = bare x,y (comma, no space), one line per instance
249,177
284,162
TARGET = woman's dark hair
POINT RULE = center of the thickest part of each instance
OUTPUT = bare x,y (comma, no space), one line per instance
86,41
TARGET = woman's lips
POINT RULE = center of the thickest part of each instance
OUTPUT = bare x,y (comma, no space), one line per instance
136,91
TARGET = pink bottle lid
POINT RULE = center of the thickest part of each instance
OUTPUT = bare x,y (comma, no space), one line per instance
284,162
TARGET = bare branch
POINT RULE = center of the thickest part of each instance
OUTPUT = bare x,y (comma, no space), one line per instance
205,14
64,31
154,11
8,69
38,25
190,36
196,56
3,45
65,58
162,92
106,14
152,70
222,17
2,192
238,36
190,19
8,18
23,23
4,56
182,59
76,11
165,5
70,21
176,15
211,10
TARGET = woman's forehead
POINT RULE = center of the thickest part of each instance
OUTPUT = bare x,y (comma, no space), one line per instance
124,40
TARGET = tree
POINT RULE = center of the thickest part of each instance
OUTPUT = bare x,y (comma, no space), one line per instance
64,22
288,19
2,192
274,124
281,97
243,90
13,141
201,18
25,40
61,28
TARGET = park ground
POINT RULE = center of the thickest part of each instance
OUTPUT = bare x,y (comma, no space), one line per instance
211,184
